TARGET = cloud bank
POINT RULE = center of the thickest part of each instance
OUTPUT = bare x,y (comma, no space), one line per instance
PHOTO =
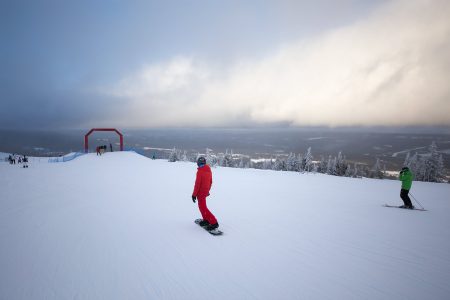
390,68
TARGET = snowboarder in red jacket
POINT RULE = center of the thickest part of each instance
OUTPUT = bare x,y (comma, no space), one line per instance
203,182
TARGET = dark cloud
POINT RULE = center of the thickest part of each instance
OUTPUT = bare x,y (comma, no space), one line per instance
54,55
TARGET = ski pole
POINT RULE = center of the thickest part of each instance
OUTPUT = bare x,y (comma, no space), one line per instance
416,200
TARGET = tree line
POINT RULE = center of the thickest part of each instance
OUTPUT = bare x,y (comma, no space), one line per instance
426,167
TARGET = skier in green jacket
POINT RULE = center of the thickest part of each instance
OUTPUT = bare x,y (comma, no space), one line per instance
406,176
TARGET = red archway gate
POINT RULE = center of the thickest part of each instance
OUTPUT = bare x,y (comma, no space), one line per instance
86,137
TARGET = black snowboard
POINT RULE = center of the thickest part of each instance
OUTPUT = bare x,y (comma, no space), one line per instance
415,208
213,232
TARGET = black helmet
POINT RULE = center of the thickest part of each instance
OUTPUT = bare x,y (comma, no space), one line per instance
405,169
201,161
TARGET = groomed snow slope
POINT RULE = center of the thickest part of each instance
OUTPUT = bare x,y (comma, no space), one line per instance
120,226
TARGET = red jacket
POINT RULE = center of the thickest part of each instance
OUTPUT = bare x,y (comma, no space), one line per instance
203,181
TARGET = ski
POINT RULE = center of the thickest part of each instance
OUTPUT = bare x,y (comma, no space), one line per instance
213,232
415,208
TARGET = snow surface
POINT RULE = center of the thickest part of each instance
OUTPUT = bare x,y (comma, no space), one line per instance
3,156
121,226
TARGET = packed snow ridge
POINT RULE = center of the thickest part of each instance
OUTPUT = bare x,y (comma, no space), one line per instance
120,226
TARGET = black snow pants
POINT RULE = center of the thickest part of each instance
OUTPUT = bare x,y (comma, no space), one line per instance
405,197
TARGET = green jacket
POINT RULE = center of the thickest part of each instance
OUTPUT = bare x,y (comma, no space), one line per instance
407,178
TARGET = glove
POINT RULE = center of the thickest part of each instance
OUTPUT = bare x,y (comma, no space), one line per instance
194,198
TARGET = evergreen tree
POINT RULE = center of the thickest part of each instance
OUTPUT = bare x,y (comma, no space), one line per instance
174,155
407,162
364,171
228,159
433,172
415,166
308,160
355,171
184,156
440,170
280,164
247,163
299,163
376,170
241,163
349,172
290,162
331,166
268,164
428,167
322,167
341,165
220,159
211,158
251,164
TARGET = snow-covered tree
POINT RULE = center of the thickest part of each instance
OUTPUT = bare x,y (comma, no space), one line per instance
429,167
377,171
184,156
308,160
268,164
174,155
341,164
407,162
211,158
251,164
349,172
228,159
440,170
337,166
291,162
280,164
355,171
415,166
322,166
298,161
432,165
194,158
244,162
331,166
364,171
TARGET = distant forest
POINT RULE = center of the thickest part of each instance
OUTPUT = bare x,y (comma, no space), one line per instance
428,167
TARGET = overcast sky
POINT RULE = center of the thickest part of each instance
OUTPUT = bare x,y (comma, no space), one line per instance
79,64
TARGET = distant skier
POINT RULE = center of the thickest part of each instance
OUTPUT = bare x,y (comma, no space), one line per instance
110,147
406,176
25,161
202,186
